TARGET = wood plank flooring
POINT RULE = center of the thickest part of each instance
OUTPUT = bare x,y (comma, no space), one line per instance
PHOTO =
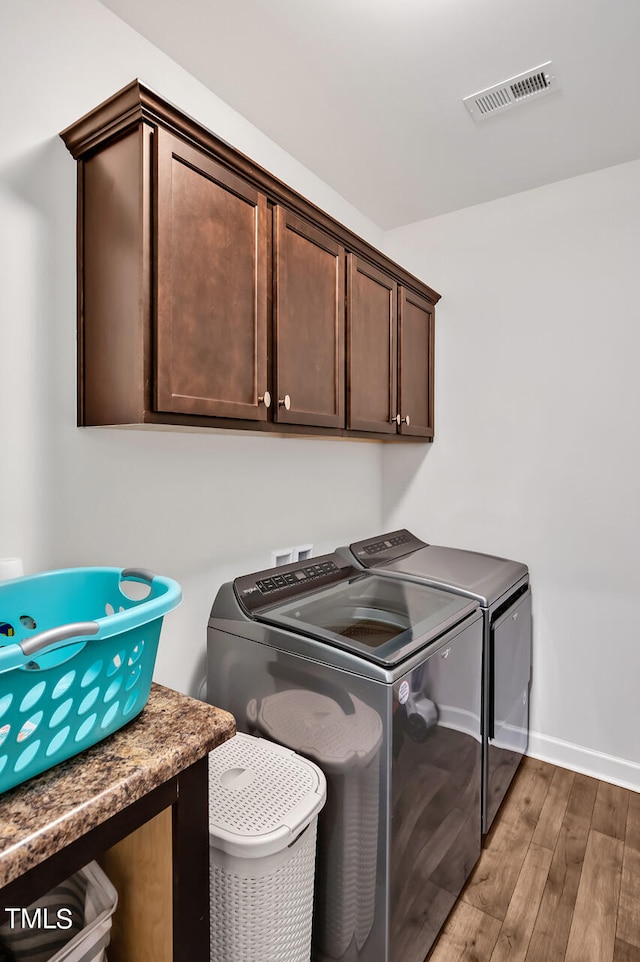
558,879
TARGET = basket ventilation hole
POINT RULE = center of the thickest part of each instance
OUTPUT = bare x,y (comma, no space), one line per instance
116,662
91,674
6,629
3,762
27,756
131,700
58,741
110,714
5,703
133,677
88,701
135,653
32,696
29,726
112,690
27,622
109,609
85,727
63,685
4,731
61,713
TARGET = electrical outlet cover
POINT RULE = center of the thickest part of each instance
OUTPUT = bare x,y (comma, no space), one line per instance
282,556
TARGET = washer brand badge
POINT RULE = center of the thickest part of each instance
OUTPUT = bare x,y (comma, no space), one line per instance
403,692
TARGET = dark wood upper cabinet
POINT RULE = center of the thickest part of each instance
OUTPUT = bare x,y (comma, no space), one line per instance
309,302
211,342
415,364
211,294
372,352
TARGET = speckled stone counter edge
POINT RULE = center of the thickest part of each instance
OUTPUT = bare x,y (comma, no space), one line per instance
46,813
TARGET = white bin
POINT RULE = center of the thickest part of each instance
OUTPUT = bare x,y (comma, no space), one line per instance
88,893
263,812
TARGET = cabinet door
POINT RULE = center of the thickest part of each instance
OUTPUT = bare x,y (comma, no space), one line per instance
211,348
371,348
309,323
415,364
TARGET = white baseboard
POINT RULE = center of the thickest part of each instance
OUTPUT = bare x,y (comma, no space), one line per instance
459,720
608,768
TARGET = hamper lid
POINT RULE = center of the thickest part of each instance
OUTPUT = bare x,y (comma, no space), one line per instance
261,796
317,726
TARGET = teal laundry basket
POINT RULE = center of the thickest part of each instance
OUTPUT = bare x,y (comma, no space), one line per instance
77,653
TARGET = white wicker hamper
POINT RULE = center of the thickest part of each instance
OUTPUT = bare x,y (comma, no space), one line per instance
263,811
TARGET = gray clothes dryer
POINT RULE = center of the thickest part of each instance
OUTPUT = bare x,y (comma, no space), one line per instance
377,681
501,588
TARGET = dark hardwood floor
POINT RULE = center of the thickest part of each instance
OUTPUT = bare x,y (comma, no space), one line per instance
558,879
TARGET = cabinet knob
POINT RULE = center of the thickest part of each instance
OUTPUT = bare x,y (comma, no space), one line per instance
400,420
285,402
265,399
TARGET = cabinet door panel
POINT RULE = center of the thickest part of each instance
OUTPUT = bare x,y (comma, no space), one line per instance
309,323
371,348
211,350
415,363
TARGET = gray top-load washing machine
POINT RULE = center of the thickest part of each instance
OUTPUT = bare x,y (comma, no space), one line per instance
501,588
378,681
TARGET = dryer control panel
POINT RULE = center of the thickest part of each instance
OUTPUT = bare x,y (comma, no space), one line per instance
383,548
273,585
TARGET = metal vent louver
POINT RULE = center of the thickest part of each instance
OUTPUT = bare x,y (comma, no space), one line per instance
517,90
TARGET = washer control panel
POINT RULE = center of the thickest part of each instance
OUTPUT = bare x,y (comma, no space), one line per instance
297,576
264,588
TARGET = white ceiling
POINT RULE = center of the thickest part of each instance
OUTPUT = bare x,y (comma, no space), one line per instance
368,93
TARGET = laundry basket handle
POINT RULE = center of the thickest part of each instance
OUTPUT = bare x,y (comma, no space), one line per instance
143,574
61,633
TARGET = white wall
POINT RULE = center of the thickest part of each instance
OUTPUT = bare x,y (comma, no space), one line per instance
198,507
537,454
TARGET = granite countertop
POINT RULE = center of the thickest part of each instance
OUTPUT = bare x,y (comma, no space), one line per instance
46,813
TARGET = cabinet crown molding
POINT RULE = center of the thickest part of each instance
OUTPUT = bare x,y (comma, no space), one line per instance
137,103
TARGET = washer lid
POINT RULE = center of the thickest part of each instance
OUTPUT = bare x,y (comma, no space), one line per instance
317,726
261,796
484,577
383,620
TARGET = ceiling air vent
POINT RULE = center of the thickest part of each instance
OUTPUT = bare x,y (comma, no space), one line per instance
526,86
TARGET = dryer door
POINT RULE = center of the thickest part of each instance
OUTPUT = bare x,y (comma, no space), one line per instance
508,709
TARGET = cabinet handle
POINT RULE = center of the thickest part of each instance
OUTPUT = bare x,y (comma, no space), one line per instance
285,402
265,399
400,420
